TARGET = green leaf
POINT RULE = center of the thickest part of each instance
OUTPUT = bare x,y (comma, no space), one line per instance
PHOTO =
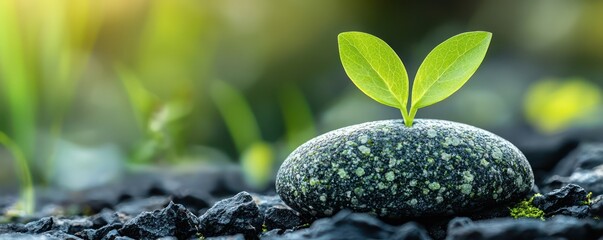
447,67
374,68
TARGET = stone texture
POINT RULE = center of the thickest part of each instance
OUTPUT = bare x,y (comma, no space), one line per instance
583,166
348,225
570,200
384,168
231,216
282,218
559,227
174,220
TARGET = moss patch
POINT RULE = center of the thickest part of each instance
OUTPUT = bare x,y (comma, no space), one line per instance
526,209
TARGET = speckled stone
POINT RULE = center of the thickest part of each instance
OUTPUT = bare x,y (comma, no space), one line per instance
434,168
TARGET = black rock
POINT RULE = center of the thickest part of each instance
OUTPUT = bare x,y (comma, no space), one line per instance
238,214
105,232
410,231
348,225
569,196
584,167
72,226
282,218
559,227
40,226
596,207
174,220
458,222
581,211
12,227
266,202
586,156
232,237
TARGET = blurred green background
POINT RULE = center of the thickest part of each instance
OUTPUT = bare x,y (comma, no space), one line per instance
108,86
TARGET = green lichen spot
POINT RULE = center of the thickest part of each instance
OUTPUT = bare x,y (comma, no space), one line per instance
466,188
359,191
497,154
413,183
363,139
413,202
468,176
446,156
364,150
381,185
359,171
314,181
432,133
389,176
342,173
484,162
434,186
323,198
526,209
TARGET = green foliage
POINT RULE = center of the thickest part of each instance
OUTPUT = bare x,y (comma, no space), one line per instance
553,105
376,69
526,209
297,116
257,164
588,200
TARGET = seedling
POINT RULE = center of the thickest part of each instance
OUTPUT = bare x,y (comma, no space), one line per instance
377,71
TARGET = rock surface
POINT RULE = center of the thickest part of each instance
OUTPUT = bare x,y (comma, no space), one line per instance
238,214
583,166
174,220
348,225
570,200
384,168
559,227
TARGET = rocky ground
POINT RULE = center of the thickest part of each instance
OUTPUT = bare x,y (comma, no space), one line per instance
566,204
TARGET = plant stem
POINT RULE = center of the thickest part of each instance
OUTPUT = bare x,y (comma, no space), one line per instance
411,117
27,201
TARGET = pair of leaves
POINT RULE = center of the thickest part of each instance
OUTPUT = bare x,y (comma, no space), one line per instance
377,71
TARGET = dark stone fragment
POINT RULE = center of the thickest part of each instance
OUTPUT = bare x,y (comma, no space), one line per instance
72,226
40,226
111,235
458,222
559,227
98,234
274,234
173,220
568,196
348,225
232,237
12,227
282,218
584,167
238,214
108,217
56,234
596,207
586,156
266,202
581,211
410,231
